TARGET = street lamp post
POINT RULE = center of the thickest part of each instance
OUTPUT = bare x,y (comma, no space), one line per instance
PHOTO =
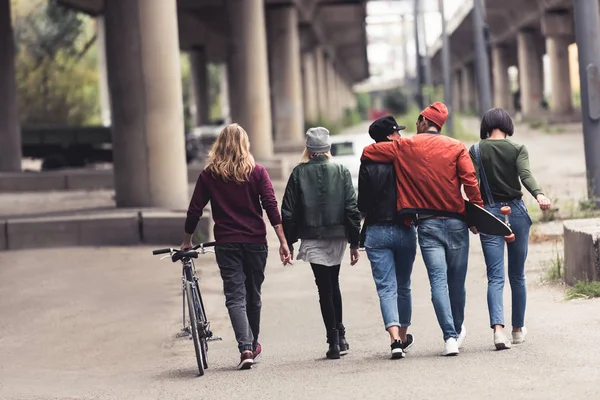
446,69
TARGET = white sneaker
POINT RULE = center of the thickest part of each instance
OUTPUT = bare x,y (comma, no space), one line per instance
450,348
461,337
501,341
519,337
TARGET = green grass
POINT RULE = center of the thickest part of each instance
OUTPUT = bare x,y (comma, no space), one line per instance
555,267
544,126
584,290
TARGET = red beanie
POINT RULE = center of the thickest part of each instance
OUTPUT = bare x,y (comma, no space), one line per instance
436,113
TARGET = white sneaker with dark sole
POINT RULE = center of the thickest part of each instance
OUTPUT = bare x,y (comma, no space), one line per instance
501,341
450,347
461,336
519,337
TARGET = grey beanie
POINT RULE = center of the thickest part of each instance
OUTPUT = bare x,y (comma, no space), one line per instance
317,140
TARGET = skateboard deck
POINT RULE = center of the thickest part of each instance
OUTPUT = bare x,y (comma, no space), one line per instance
484,221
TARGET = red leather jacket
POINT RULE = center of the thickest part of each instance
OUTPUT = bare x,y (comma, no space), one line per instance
430,171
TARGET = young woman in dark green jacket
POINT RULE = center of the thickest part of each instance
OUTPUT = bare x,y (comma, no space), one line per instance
319,208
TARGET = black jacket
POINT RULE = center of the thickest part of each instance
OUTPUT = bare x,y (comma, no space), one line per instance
377,192
320,203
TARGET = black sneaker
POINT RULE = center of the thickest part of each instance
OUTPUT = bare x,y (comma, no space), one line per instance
397,351
344,346
409,342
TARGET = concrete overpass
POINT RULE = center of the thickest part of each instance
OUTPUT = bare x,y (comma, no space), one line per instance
520,33
287,62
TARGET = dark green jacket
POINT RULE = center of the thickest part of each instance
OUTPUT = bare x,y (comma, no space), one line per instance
320,203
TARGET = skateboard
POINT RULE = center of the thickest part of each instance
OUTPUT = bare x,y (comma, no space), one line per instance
488,223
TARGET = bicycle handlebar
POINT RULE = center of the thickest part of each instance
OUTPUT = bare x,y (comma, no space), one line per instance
178,254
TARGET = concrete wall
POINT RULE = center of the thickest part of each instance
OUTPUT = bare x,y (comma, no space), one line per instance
582,250
15,182
111,228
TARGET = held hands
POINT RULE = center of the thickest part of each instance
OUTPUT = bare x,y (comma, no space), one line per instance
543,201
354,256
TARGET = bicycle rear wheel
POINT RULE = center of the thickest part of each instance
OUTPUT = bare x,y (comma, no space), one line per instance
202,321
194,328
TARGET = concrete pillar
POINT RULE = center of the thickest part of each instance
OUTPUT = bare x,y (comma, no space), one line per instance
456,93
468,88
558,29
530,81
286,73
10,132
310,87
321,70
248,73
502,93
224,91
200,89
332,97
102,72
144,78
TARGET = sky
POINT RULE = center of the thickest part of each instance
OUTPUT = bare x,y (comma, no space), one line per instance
385,32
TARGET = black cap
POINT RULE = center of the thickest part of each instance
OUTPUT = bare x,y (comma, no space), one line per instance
383,127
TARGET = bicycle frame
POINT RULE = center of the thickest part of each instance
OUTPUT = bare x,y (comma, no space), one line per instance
188,264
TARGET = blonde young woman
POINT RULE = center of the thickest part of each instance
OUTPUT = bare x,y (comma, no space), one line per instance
319,207
238,190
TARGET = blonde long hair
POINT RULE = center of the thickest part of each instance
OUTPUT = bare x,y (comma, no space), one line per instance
307,156
230,158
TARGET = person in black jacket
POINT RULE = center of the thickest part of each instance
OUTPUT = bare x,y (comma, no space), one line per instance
319,207
389,239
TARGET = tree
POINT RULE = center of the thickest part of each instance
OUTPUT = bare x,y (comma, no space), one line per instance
57,75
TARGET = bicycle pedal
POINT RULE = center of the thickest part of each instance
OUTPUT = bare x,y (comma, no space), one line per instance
214,338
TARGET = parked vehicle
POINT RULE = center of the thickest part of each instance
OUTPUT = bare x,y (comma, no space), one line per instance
346,149
68,147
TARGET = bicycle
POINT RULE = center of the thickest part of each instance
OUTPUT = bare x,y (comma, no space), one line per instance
199,327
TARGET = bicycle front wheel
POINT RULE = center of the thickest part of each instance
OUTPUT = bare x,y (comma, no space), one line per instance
194,327
202,320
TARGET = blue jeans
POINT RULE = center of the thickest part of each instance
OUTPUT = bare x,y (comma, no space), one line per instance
493,251
445,248
391,250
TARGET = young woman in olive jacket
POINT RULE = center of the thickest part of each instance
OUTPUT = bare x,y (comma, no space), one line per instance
319,207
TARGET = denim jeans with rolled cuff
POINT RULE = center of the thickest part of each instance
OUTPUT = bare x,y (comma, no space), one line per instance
493,251
391,249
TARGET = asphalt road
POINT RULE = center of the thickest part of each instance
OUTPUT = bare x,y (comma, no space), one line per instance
101,323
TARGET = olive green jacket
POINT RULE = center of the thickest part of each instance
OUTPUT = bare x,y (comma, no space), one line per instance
320,203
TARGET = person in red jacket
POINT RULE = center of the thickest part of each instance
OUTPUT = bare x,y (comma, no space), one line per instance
431,169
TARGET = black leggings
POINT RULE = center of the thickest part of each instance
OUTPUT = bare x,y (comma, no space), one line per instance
330,297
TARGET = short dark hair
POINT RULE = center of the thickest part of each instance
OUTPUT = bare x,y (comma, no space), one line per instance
429,123
496,118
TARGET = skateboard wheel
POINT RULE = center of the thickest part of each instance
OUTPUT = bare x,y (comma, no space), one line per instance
505,210
510,238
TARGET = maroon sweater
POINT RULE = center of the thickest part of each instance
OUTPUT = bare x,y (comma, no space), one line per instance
236,207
